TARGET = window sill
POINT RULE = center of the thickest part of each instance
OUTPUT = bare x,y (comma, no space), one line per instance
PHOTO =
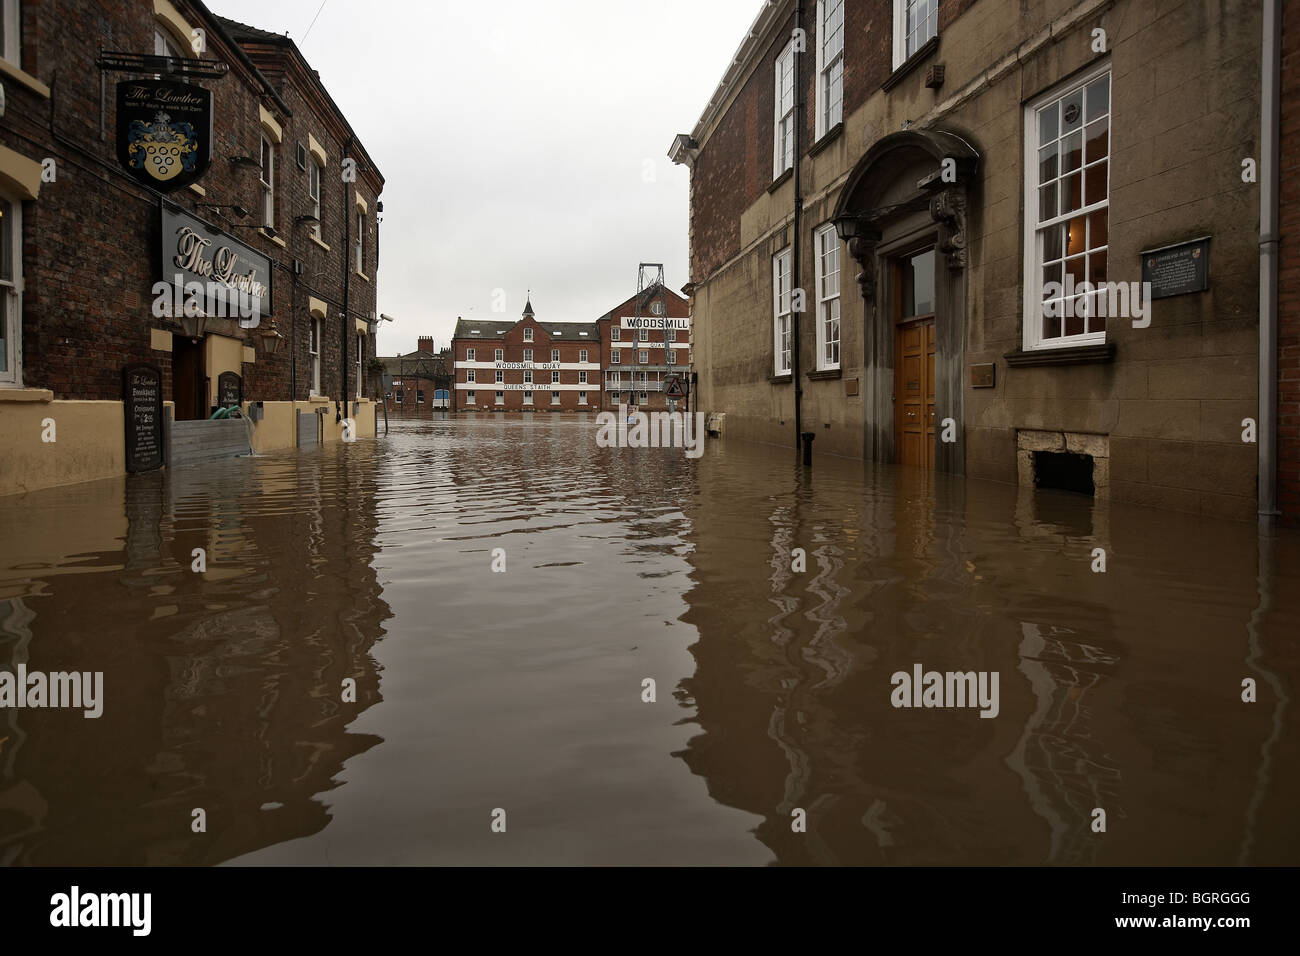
776,183
785,379
361,275
1068,355
22,76
828,137
824,375
197,189
276,239
316,239
909,65
13,393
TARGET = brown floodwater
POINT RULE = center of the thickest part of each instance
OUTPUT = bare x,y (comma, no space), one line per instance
522,691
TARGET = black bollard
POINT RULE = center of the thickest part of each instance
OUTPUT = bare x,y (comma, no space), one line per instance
808,438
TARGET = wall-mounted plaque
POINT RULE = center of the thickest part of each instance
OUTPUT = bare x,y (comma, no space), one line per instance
142,412
1177,269
983,375
230,389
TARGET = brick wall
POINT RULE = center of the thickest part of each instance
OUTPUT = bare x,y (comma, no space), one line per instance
91,241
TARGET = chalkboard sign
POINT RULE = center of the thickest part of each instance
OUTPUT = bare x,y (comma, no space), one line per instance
230,389
1177,269
142,413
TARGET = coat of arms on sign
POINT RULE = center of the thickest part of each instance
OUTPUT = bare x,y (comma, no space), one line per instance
163,149
164,132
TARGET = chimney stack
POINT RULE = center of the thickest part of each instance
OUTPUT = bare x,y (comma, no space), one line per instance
425,343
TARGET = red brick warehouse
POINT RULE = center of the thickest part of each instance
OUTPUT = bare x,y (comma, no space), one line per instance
526,365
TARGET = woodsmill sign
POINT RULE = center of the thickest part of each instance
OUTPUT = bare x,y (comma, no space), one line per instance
164,132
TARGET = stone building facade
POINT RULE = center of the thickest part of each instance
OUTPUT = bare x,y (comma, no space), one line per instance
86,241
890,223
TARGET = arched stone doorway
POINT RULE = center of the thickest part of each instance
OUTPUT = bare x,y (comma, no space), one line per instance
903,212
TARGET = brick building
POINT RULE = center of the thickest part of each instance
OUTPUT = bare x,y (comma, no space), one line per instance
967,164
290,190
644,341
419,382
526,365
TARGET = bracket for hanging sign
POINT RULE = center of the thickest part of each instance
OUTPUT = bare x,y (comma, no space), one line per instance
113,61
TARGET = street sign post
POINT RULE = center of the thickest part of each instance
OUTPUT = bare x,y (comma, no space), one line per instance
673,388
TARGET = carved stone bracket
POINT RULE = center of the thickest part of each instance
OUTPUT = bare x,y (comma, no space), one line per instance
948,209
864,253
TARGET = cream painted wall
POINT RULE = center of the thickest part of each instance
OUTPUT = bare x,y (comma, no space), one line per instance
221,354
88,444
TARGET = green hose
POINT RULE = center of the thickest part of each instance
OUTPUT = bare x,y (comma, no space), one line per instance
223,413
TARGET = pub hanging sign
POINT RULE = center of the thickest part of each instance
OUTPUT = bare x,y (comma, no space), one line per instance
164,132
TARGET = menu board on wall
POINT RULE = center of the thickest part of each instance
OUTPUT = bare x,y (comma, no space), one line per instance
142,412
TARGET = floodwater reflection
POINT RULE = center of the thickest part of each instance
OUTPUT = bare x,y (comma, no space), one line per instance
522,690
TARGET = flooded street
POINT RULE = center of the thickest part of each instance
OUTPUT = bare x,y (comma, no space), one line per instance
523,690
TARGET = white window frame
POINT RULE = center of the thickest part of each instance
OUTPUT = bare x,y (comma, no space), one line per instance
826,243
783,115
528,355
644,399
314,338
266,177
555,377
469,355
830,68
615,334
470,376
501,398
582,398
615,357
672,357
643,335
901,52
1032,332
555,397
582,378
11,294
359,242
643,357
582,355
315,174
499,355
501,377
528,376
361,354
782,314
528,335
528,398
469,397
555,355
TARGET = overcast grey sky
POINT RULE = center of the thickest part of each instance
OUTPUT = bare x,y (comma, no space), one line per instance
514,138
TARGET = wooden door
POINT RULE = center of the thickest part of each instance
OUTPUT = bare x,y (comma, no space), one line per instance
914,340
914,393
188,381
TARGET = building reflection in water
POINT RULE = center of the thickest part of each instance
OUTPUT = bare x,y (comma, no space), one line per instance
1119,690
222,688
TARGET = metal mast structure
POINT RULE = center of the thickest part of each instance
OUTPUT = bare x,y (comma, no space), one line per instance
650,279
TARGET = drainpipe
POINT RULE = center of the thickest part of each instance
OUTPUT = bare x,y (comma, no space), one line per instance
1270,125
347,275
794,245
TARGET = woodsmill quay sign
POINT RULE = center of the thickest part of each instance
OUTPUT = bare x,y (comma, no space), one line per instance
164,132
